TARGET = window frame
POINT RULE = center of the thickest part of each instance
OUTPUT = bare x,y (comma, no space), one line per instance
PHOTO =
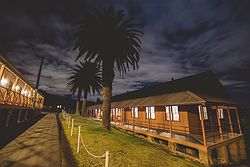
170,114
150,109
205,113
135,112
221,113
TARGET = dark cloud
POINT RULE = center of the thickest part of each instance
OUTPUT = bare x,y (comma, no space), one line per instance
180,38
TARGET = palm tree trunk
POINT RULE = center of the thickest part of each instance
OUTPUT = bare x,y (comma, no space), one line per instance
84,103
108,76
106,107
77,107
78,102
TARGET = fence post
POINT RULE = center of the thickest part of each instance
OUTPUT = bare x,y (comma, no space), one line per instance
107,159
79,138
72,126
69,122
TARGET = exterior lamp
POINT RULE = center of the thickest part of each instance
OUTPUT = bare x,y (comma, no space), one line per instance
17,88
25,92
4,81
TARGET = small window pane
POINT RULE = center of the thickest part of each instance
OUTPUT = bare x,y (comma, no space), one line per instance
152,113
135,112
175,113
167,112
205,114
147,113
221,114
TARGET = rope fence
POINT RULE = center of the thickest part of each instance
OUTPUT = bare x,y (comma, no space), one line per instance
70,124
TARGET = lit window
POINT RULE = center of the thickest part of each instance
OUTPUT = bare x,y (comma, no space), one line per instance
175,113
135,112
100,112
116,111
167,112
205,115
221,114
113,111
150,112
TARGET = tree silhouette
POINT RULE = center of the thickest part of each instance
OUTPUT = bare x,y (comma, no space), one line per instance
110,38
86,78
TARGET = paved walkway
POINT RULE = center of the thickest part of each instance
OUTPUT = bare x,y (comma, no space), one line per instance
37,147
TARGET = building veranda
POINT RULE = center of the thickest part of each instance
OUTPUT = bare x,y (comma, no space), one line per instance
193,116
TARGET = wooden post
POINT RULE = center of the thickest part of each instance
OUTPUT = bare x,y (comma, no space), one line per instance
69,122
219,123
2,71
202,126
230,120
25,85
121,116
163,119
170,120
115,115
15,83
19,117
72,127
79,138
238,120
14,90
148,119
107,159
133,116
124,116
26,115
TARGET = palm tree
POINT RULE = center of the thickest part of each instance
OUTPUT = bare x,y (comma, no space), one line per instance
107,37
86,78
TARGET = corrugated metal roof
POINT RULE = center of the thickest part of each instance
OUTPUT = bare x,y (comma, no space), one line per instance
211,99
178,98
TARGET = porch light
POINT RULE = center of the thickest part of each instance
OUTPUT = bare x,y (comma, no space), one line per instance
4,81
25,92
17,88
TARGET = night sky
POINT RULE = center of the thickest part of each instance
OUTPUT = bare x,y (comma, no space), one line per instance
181,37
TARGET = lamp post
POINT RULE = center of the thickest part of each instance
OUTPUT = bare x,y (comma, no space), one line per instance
38,79
39,73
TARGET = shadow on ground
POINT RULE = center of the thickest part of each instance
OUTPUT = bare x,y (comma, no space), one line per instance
66,156
9,134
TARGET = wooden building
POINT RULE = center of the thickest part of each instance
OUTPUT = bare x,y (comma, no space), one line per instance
18,97
193,116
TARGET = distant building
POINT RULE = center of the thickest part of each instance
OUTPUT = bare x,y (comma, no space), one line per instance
192,115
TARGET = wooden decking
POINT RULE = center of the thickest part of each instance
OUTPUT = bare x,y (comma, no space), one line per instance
191,140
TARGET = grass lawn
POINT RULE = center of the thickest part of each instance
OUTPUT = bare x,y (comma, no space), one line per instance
125,150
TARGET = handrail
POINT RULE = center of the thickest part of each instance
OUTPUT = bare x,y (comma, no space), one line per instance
15,98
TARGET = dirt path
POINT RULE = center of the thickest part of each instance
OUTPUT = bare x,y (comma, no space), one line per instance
37,147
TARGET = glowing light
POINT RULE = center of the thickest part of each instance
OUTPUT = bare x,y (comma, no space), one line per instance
4,81
17,88
25,92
